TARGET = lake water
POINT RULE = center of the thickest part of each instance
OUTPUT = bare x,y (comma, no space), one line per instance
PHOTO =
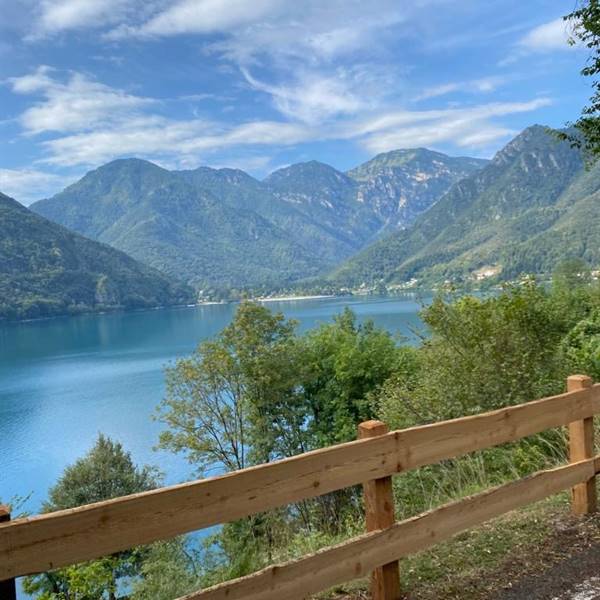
62,381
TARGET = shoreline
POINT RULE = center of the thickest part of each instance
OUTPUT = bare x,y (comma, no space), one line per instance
291,298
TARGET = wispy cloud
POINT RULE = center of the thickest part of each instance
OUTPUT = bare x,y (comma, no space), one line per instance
314,98
280,29
28,185
483,85
549,37
199,16
77,104
465,127
92,123
161,138
52,17
553,35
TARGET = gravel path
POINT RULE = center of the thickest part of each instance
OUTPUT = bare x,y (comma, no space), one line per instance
577,577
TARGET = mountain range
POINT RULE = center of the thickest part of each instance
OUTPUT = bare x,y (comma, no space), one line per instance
531,207
46,270
222,229
405,216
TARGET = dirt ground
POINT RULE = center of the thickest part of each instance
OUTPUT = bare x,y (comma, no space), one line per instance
565,567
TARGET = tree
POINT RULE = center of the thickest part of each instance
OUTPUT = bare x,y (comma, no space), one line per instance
260,392
483,354
344,363
106,471
585,23
234,402
581,347
168,571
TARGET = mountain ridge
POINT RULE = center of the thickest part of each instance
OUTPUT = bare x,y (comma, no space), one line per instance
222,228
47,270
487,219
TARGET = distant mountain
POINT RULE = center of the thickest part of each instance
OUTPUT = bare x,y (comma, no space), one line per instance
163,219
330,198
221,228
533,205
242,192
402,184
46,270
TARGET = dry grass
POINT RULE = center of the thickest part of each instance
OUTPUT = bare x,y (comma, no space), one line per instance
484,562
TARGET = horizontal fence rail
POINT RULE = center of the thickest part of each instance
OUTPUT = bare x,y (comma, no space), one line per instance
358,556
46,542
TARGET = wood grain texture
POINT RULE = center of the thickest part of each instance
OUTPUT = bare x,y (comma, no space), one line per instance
581,447
66,537
380,514
357,557
8,588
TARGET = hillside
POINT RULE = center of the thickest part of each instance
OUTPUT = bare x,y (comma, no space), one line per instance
221,228
162,219
401,184
530,207
46,270
242,192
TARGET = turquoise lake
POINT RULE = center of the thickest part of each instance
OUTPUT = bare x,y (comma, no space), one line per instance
62,381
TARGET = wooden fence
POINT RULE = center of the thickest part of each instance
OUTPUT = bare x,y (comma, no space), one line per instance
45,542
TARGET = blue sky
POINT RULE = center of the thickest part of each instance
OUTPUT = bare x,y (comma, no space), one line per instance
259,84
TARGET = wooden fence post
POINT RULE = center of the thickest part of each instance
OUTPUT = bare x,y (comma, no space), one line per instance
581,447
379,513
8,589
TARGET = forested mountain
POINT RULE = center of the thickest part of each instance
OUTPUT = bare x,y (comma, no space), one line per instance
221,228
533,205
401,184
47,270
165,220
242,192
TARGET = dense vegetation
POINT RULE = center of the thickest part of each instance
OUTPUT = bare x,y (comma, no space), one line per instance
585,23
532,206
223,231
46,270
261,391
164,221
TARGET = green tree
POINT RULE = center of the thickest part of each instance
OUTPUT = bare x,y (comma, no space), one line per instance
169,571
344,363
106,471
482,354
234,402
585,23
260,392
581,347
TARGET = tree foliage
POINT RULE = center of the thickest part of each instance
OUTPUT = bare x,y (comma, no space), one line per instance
46,270
585,27
260,391
106,471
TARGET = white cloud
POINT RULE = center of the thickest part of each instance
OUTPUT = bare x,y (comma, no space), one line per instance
28,185
313,98
465,127
163,138
251,30
549,36
201,16
86,122
483,85
78,104
156,137
51,17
